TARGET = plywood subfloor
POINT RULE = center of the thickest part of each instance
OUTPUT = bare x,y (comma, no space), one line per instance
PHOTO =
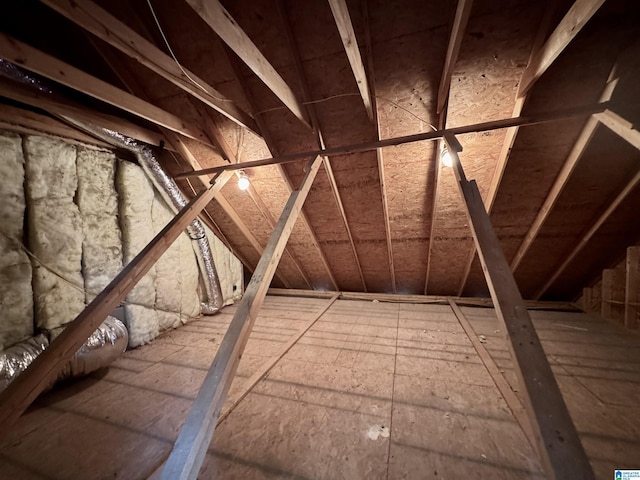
373,390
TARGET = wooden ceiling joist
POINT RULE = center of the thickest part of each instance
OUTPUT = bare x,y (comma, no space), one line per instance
563,177
43,64
68,108
221,22
15,399
99,22
568,28
463,11
555,435
521,121
347,35
195,436
460,21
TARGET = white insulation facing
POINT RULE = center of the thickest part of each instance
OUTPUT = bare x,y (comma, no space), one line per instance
98,203
16,296
136,199
55,230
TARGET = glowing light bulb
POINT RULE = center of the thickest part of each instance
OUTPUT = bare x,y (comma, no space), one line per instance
445,157
243,181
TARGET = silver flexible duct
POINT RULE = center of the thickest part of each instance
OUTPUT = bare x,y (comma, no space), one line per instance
163,183
15,360
104,346
173,196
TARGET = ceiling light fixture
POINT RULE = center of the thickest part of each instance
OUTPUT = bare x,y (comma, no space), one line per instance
243,181
445,156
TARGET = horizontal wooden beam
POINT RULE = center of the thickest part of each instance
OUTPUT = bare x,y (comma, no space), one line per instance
195,436
43,64
555,435
221,22
67,108
25,388
350,42
568,28
525,120
108,28
419,299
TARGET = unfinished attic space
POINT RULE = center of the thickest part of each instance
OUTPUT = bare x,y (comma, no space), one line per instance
319,239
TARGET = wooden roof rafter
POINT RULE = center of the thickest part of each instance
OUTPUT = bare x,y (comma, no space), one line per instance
460,21
99,22
221,143
221,22
315,123
576,18
379,154
132,84
570,163
540,44
625,130
59,107
350,42
266,135
48,66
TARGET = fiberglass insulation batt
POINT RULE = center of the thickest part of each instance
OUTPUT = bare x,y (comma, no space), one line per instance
98,203
16,296
136,194
55,230
177,274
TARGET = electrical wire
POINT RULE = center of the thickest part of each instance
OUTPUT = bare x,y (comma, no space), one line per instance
175,59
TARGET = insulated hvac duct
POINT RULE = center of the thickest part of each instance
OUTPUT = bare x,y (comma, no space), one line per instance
174,197
104,346
163,183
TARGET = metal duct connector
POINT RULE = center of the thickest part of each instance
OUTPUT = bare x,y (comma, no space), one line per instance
103,347
174,198
15,360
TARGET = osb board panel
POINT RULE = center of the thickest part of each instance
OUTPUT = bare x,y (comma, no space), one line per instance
588,193
605,249
484,84
594,374
255,222
364,368
407,71
527,178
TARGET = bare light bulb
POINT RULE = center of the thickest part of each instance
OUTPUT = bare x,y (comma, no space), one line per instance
445,157
243,181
